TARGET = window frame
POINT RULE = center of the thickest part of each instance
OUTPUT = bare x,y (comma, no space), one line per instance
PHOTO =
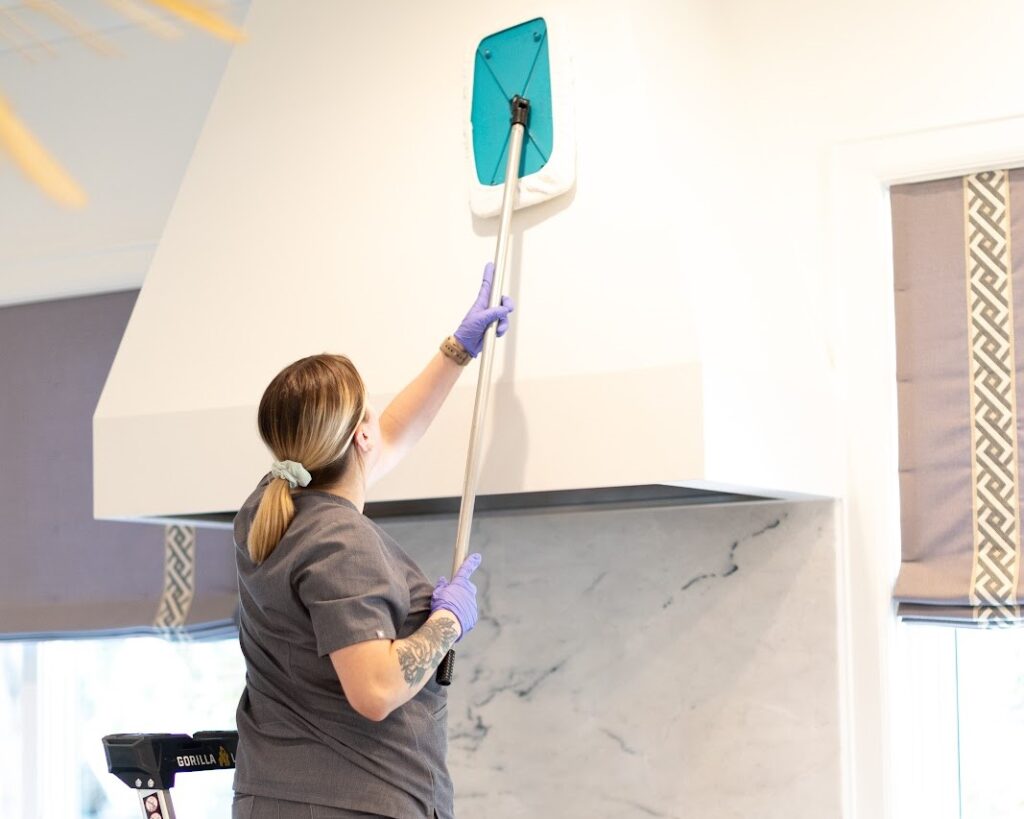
872,669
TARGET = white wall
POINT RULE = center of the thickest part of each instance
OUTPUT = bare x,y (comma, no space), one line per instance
834,102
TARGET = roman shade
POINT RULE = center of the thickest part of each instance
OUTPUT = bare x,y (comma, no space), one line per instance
959,301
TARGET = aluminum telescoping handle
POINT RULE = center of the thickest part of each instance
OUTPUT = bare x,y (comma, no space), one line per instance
474,454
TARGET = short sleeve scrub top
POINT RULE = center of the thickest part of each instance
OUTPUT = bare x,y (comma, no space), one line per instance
335,579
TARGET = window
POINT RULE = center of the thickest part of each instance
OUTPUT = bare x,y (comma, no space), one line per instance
990,707
60,698
959,714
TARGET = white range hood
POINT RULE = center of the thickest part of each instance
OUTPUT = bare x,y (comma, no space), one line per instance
326,209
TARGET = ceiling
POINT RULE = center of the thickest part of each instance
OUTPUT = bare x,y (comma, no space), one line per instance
120,110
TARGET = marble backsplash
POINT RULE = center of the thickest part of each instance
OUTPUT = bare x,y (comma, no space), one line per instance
660,662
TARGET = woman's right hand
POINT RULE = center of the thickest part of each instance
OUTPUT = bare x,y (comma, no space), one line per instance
459,595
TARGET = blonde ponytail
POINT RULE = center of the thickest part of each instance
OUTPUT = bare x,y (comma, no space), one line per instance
272,519
308,414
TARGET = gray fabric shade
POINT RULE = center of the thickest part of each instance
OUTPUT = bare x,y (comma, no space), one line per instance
959,300
64,573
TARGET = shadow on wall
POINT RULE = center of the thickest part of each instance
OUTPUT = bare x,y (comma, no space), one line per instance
509,439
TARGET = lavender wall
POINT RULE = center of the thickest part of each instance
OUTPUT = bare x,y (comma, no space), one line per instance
64,572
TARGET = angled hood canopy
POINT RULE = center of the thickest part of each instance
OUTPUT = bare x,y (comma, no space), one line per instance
326,208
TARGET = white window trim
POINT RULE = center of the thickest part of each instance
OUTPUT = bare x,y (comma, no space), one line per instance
860,242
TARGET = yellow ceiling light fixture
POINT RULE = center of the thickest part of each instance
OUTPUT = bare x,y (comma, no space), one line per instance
144,16
35,162
79,30
15,137
24,32
202,17
8,38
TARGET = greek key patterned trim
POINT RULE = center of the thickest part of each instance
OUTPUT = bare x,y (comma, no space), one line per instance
993,397
996,617
179,578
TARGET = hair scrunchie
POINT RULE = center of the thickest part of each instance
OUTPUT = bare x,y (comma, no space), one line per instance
291,471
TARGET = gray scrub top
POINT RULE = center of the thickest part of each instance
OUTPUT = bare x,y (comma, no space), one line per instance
335,579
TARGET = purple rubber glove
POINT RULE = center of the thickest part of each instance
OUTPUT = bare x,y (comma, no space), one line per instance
459,596
471,332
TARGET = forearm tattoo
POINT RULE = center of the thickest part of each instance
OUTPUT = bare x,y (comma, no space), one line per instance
422,652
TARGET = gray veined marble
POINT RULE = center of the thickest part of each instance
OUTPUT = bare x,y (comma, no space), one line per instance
662,662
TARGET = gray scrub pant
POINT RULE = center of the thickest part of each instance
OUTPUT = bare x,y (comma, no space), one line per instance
246,806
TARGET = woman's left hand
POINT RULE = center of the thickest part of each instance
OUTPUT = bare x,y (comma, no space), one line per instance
471,332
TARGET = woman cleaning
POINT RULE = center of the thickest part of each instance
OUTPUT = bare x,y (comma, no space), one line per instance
340,630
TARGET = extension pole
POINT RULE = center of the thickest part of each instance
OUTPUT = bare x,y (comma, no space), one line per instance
520,110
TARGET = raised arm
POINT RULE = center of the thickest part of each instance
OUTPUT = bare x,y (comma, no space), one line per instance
407,417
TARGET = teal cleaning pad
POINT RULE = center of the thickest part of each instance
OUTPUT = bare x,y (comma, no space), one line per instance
530,60
510,62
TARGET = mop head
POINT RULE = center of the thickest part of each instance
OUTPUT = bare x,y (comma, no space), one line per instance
523,60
